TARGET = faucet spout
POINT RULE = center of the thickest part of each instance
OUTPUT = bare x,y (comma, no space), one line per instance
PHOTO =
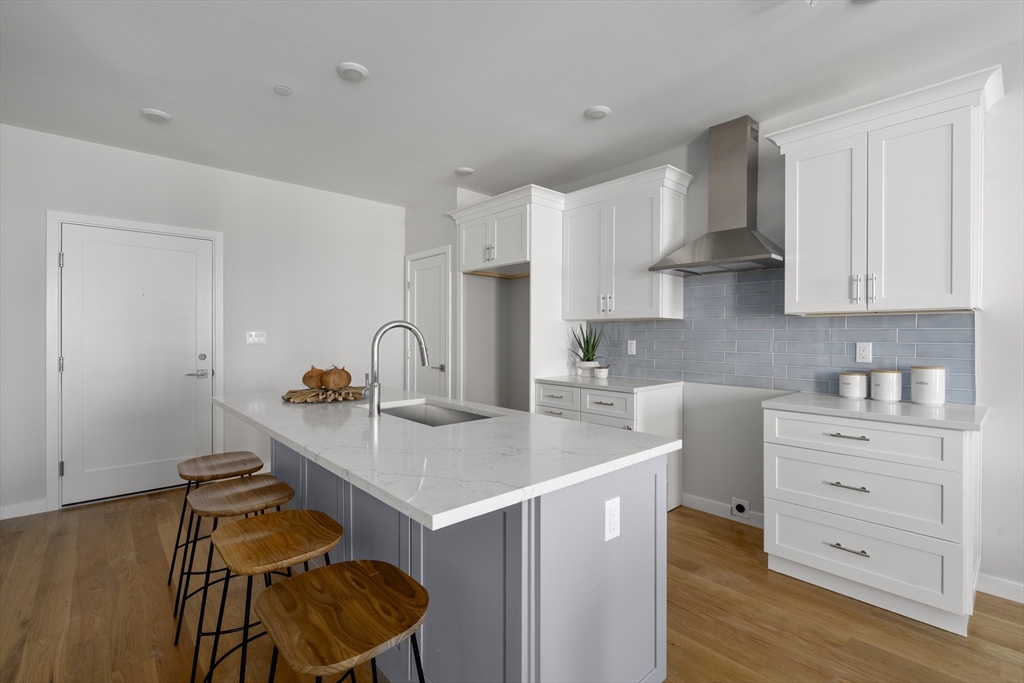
373,387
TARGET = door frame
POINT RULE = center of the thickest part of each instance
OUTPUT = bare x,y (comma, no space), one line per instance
446,251
54,221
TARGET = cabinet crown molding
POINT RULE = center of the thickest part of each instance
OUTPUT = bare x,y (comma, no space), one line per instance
980,88
534,194
667,176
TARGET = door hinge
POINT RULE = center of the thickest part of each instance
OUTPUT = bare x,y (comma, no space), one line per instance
60,471
60,260
60,364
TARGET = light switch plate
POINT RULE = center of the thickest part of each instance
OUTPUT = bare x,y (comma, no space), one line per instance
863,352
631,347
611,518
255,337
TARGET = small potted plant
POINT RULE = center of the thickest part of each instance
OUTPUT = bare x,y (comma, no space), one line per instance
585,340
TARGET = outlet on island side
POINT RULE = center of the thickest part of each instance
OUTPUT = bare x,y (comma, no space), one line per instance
740,508
611,518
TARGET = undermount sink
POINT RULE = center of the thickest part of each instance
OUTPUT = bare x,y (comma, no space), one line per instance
432,414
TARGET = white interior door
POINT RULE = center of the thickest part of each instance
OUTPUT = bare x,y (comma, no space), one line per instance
137,350
427,308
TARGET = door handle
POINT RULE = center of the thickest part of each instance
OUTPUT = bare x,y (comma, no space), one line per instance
602,303
873,288
602,403
438,367
856,284
841,485
627,428
839,546
839,435
200,374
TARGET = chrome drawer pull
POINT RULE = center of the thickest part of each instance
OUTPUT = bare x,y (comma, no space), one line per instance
602,403
846,436
861,553
553,395
844,486
553,412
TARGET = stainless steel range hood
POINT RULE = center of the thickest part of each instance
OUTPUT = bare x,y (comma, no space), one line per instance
732,241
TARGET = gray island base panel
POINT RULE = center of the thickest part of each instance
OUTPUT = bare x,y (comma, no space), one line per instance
529,591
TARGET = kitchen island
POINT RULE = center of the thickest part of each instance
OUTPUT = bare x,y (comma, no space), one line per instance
502,519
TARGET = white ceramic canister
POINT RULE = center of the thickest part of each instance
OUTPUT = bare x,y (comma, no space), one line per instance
886,385
928,385
853,384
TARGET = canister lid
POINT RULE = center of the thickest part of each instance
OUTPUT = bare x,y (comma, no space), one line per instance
886,372
853,374
927,367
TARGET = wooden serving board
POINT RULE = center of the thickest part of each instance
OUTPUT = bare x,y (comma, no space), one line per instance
323,395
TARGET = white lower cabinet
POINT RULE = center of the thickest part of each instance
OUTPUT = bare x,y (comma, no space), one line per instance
633,405
883,512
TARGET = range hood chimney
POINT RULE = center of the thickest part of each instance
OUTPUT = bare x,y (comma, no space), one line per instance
732,241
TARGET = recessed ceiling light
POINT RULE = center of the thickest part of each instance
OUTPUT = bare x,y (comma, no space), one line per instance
156,115
283,90
351,71
463,171
597,112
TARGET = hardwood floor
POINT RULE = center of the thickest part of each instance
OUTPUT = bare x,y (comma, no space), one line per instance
83,598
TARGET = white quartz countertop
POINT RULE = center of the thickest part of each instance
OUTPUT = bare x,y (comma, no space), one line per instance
949,416
439,476
632,384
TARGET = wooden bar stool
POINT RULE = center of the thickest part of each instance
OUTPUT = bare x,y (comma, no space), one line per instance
262,545
332,619
195,471
228,498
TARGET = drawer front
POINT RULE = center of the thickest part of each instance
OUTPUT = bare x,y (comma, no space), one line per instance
610,403
559,412
938,448
913,566
618,422
919,499
557,396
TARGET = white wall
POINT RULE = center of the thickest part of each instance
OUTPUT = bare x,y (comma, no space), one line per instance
297,263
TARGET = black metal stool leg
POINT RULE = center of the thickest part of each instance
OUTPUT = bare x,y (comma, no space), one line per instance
177,538
373,669
273,666
245,631
202,606
327,558
184,554
416,656
305,566
186,579
220,623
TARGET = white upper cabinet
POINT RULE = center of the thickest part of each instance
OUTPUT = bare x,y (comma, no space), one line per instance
883,202
496,231
611,234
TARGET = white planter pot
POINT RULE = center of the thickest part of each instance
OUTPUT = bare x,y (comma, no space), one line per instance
584,367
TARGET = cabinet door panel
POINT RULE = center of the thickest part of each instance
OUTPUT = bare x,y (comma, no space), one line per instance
473,244
826,227
634,239
581,263
510,237
919,213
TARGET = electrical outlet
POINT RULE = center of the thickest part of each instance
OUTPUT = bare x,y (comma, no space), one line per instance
863,352
255,337
611,518
740,508
631,347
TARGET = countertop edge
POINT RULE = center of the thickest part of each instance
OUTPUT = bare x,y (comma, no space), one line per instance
577,384
854,414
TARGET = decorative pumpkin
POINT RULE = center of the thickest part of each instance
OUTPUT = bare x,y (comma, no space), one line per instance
314,377
336,378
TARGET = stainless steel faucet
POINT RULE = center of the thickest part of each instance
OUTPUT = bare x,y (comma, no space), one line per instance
373,379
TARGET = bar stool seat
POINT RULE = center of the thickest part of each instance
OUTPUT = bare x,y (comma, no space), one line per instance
219,466
330,620
236,497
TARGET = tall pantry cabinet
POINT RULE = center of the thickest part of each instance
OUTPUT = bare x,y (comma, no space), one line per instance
883,202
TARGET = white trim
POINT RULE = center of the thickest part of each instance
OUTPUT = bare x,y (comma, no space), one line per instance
446,250
54,219
1001,588
666,176
31,507
528,194
714,507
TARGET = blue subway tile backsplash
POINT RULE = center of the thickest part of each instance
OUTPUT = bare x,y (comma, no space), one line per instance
734,332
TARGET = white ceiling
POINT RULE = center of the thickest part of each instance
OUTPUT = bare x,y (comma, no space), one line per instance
499,86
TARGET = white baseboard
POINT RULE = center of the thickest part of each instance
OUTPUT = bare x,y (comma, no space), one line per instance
1001,588
31,507
714,507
